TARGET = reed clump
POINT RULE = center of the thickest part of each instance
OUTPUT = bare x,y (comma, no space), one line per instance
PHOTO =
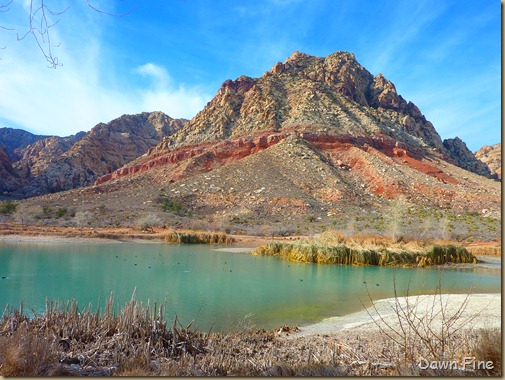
67,341
139,341
198,238
322,252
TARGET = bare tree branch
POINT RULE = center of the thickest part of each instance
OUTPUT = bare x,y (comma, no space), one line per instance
40,23
107,13
41,20
3,9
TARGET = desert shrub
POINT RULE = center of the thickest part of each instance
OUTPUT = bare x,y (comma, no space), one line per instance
25,353
46,211
395,218
488,348
425,326
83,218
61,212
173,207
7,208
148,222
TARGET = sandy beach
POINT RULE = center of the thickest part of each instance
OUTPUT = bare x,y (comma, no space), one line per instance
477,311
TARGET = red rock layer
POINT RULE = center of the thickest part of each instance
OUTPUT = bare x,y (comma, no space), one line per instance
213,155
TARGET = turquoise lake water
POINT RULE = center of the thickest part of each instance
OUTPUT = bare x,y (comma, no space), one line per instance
219,290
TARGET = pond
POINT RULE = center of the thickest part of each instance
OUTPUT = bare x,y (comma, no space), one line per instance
219,290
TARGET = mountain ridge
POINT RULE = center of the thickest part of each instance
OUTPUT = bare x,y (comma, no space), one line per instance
47,164
313,143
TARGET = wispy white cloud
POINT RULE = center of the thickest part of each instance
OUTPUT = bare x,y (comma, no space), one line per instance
160,94
86,90
157,73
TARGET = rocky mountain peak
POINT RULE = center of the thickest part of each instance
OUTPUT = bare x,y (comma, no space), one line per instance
308,92
464,158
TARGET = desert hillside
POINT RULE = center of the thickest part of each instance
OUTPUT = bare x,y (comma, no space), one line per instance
314,143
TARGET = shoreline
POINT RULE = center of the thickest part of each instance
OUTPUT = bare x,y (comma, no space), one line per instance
359,321
480,310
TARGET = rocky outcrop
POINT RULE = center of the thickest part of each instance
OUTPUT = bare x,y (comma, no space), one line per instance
105,148
215,155
491,156
209,156
309,92
464,158
39,155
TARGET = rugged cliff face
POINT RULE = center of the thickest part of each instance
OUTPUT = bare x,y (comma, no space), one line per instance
491,156
13,141
464,158
38,156
102,150
308,92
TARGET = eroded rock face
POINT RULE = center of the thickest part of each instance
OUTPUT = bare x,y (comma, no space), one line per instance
334,92
464,158
491,156
102,150
38,156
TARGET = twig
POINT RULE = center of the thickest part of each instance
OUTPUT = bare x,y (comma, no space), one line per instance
110,14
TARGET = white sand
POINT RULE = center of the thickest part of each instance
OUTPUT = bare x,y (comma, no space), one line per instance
477,311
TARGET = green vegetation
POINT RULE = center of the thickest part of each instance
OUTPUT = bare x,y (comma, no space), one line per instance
173,207
47,211
61,212
198,238
7,207
351,253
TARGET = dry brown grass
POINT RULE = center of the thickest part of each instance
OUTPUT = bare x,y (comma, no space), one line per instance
25,353
485,249
488,347
66,341
335,248
198,237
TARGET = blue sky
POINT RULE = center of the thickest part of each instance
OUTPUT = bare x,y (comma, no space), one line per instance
173,55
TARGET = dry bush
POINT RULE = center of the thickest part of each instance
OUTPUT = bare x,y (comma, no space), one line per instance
488,348
149,221
83,218
312,370
395,218
432,331
134,340
25,353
